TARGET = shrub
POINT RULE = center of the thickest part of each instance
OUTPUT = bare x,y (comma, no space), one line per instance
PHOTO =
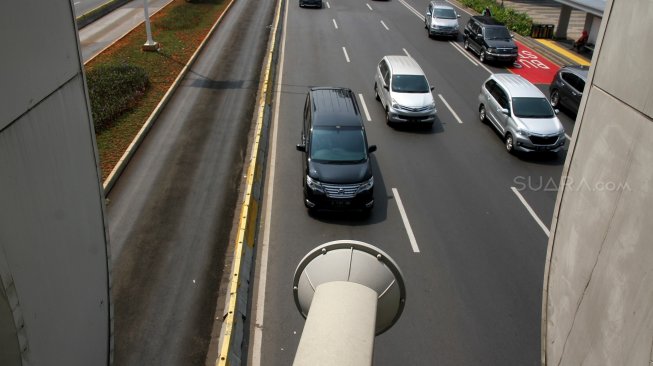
114,90
517,22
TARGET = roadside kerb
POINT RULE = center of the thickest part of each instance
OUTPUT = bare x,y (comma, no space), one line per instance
136,142
102,10
233,326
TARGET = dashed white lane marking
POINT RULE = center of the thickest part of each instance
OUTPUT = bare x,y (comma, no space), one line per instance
404,217
344,50
335,24
530,210
406,52
368,5
328,5
450,109
367,114
384,26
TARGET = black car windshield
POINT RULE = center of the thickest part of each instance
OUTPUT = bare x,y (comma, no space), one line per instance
497,33
410,84
338,145
445,13
532,108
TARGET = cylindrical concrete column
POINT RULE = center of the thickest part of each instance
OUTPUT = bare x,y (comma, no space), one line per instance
340,326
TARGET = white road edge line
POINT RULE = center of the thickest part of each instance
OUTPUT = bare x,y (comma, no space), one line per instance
269,192
413,10
463,52
346,55
450,109
530,210
409,230
368,5
384,26
367,114
406,52
335,24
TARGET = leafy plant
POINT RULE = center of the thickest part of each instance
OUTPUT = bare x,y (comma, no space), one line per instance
114,90
516,21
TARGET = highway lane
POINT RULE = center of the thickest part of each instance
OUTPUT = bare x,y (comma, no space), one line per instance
171,212
474,286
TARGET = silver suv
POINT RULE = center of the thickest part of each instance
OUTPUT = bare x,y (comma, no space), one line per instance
521,113
404,91
441,20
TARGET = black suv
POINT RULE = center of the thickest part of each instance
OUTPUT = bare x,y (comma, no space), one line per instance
489,39
336,165
567,87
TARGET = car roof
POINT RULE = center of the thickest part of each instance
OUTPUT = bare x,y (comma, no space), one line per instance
404,65
333,106
485,20
581,71
517,86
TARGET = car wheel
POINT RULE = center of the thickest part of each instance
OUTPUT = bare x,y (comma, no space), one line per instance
555,98
466,44
481,56
510,143
301,5
387,117
482,115
376,92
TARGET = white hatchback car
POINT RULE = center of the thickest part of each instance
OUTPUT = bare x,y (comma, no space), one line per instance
521,113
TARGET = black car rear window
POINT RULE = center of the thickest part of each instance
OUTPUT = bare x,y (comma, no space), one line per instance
338,145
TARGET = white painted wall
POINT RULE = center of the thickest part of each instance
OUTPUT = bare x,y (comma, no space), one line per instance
598,290
54,274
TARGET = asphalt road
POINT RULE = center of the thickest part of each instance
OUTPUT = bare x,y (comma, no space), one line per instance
171,212
474,272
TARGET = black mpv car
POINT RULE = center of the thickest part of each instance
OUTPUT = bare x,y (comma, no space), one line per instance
490,40
336,164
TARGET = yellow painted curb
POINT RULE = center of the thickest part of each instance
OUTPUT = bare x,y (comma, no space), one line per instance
249,210
552,45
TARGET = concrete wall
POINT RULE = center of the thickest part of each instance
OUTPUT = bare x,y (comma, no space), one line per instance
54,274
598,291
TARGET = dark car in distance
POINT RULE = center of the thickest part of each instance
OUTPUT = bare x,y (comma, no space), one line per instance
315,3
490,40
337,171
566,89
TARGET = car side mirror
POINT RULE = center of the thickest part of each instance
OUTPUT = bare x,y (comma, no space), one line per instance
301,147
479,35
432,88
428,14
505,111
458,15
556,111
512,35
385,86
371,149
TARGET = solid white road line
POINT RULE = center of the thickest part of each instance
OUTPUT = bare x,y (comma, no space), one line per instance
463,52
409,231
367,114
530,210
384,26
450,109
413,10
335,24
344,50
269,193
368,5
406,52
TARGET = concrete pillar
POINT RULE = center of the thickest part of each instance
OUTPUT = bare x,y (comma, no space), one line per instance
563,22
